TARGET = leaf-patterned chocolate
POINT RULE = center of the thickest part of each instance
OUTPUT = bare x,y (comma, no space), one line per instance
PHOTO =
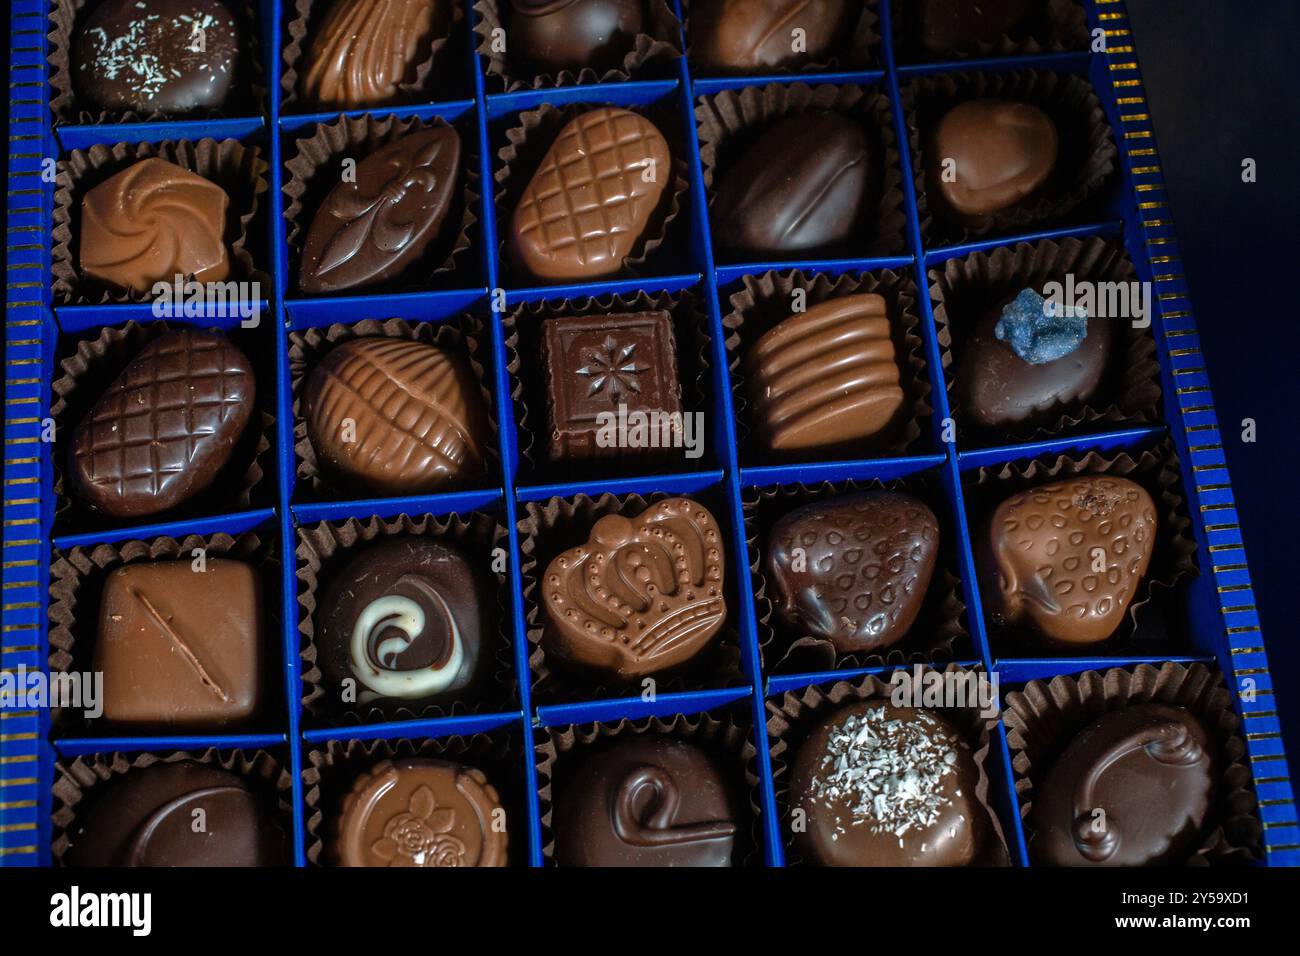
372,227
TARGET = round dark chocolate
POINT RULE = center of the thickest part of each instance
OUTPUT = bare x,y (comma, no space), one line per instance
401,622
178,814
1133,788
646,800
755,36
168,56
879,785
555,35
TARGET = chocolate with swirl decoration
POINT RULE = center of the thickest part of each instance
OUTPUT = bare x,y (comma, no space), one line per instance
376,223
641,595
401,621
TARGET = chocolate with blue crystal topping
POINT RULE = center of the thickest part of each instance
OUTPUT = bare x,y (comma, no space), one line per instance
1023,365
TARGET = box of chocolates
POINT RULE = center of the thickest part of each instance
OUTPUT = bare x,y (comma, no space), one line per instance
612,433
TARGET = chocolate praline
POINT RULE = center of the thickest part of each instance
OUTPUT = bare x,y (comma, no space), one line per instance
753,36
555,35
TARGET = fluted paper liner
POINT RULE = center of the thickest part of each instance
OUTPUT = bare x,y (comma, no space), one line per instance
247,95
764,300
859,50
330,770
80,781
439,55
791,717
322,551
96,361
238,169
1062,26
721,734
312,173
1173,556
461,335
730,120
523,337
1044,717
653,54
1086,160
547,528
939,632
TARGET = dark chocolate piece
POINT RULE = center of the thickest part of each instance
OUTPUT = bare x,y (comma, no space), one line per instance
758,36
588,205
365,50
948,26
642,594
395,416
152,222
799,187
420,812
162,432
178,814
646,800
555,35
180,646
166,56
1134,788
370,229
401,621
596,365
996,388
853,570
987,155
1066,558
825,379
881,785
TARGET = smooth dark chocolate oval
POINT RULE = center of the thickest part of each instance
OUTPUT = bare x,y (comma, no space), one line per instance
988,155
748,36
800,186
371,228
557,35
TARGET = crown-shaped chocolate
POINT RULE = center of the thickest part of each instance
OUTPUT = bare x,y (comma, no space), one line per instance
642,594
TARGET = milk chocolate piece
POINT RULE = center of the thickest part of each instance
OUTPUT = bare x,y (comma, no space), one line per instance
555,35
646,800
596,365
165,56
948,26
395,416
756,36
998,153
365,50
421,812
881,785
162,432
996,388
150,817
1067,557
151,222
641,594
800,186
1134,788
854,569
179,647
402,620
372,228
826,378
588,205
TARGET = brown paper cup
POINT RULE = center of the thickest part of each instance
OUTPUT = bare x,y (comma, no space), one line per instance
1059,25
858,49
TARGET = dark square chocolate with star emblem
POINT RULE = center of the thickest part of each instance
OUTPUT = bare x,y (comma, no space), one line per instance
611,384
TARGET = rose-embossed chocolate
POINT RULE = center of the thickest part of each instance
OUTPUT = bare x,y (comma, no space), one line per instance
825,378
946,26
555,35
162,432
756,36
403,620
987,155
590,201
854,569
370,229
395,416
151,222
645,800
1134,788
421,812
1066,558
365,50
800,186
642,594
